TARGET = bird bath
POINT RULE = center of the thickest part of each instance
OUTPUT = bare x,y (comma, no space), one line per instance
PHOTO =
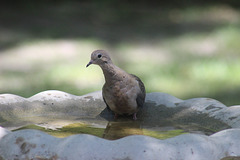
163,116
55,116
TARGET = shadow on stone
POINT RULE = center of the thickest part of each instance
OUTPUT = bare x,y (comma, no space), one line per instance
161,117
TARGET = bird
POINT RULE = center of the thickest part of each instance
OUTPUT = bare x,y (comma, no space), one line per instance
122,92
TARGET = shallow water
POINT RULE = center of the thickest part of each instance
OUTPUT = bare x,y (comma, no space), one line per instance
119,128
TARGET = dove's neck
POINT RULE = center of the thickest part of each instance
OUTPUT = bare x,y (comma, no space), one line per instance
111,72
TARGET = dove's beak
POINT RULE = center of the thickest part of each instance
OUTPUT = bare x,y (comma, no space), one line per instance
89,64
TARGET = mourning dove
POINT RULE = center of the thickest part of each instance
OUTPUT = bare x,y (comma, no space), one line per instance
123,93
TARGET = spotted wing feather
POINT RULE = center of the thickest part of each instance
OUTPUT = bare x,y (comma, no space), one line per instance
141,96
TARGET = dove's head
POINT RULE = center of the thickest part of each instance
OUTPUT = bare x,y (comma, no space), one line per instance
99,57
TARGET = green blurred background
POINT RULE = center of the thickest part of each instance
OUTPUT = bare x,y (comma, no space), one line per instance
184,48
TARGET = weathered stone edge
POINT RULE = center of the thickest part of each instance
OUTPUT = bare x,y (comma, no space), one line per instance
36,144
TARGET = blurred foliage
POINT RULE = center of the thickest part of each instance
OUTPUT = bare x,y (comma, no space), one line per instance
184,48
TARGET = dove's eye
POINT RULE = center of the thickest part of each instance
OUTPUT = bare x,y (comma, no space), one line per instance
99,55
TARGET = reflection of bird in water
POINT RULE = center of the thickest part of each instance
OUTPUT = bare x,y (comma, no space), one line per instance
123,93
120,129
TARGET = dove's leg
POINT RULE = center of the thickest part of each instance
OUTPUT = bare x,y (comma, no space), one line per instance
134,116
115,116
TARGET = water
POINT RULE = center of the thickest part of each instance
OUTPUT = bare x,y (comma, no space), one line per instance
122,127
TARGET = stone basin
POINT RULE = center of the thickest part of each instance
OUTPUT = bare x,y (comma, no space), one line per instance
210,127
